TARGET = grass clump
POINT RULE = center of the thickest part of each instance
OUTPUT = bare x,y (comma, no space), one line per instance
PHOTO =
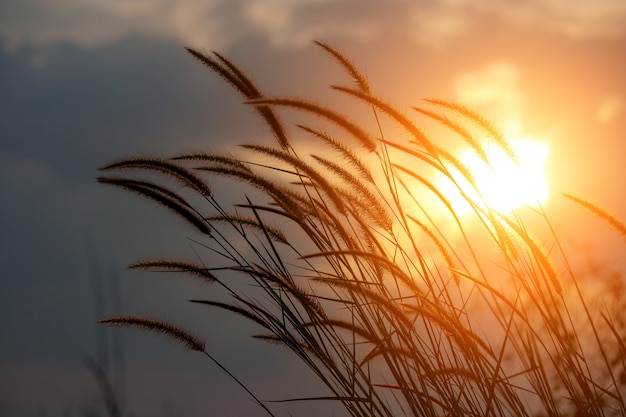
363,268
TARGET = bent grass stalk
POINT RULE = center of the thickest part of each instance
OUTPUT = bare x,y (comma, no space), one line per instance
358,276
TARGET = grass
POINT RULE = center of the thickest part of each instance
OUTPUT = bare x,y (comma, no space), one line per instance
362,267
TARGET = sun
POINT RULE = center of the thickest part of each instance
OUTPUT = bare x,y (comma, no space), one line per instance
504,184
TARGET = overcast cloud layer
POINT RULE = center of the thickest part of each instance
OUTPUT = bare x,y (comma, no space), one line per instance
220,23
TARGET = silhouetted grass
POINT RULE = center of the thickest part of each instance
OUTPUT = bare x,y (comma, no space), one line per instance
366,271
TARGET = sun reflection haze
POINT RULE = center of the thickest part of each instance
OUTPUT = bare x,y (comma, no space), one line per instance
504,184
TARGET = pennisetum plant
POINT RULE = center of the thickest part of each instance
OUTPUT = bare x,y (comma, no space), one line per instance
363,268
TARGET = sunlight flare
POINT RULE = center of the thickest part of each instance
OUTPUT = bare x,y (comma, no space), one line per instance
503,184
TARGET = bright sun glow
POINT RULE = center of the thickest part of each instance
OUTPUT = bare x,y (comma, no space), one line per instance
506,185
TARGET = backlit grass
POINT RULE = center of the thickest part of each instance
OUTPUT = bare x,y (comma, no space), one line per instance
364,268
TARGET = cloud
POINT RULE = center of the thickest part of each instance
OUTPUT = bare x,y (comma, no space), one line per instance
436,26
493,90
94,23
609,107
221,23
575,18
289,23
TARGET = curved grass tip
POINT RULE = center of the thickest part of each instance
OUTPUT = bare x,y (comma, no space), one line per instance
158,326
615,223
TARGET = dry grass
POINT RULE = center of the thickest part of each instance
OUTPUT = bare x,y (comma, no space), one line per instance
369,287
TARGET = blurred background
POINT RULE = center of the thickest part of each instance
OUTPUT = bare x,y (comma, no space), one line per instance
84,83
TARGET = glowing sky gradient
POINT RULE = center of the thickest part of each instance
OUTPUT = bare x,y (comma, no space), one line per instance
86,82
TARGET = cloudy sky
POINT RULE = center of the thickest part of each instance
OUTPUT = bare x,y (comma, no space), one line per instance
86,82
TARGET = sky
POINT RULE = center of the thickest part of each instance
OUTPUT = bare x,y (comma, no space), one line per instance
86,82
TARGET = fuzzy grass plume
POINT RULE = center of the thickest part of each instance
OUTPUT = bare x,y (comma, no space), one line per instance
366,272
